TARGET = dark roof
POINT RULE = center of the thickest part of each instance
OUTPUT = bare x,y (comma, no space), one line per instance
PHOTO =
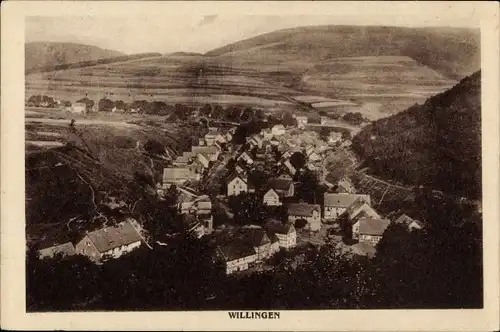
235,250
111,237
255,237
302,209
343,200
406,220
372,226
280,184
65,249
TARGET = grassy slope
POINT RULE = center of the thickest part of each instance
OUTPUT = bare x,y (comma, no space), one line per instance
41,54
451,52
104,156
436,144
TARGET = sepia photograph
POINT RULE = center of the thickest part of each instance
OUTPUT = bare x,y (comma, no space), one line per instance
253,164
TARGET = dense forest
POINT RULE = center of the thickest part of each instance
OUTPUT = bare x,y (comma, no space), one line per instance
437,144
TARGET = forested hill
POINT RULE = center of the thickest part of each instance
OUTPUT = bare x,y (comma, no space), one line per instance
437,144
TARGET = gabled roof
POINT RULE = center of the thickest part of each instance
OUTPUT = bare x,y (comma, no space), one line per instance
255,237
171,174
204,149
111,237
236,250
372,226
280,185
343,200
235,175
406,220
64,249
302,209
360,206
346,185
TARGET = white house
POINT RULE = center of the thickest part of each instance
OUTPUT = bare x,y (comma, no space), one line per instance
237,184
278,189
79,108
286,234
109,242
310,212
245,157
336,204
237,256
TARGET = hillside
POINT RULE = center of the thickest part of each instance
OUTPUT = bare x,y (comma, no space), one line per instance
453,53
48,54
437,144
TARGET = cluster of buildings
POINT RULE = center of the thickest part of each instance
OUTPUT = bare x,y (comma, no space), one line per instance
351,212
102,244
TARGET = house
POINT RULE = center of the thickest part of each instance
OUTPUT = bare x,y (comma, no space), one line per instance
278,189
278,130
201,141
323,120
237,256
410,223
210,151
198,206
79,108
301,121
181,161
203,160
369,230
258,239
245,157
109,242
360,208
196,167
336,204
177,176
285,176
220,138
267,134
240,170
237,184
63,250
210,137
286,234
117,109
228,137
255,141
345,186
310,212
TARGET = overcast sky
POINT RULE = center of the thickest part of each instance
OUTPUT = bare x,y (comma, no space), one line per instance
198,33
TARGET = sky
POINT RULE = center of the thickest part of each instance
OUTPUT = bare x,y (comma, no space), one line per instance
198,33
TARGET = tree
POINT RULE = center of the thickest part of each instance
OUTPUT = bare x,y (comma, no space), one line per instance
346,135
247,114
309,188
354,118
206,110
119,104
218,112
324,133
248,208
141,105
154,147
300,223
288,120
298,160
105,105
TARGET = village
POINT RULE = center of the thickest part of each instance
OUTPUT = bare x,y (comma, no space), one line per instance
258,182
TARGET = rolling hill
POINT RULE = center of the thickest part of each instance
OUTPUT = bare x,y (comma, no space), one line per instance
436,144
454,53
48,54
